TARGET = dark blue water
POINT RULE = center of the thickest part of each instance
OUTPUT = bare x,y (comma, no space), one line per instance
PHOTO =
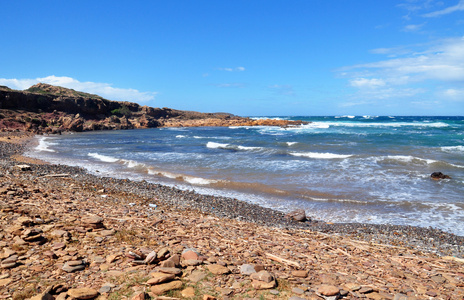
339,169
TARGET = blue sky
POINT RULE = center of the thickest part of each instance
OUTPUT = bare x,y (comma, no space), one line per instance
311,57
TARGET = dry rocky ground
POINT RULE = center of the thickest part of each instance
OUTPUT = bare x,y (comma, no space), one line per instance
67,235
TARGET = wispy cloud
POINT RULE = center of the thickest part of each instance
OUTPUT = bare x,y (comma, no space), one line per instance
412,73
105,90
413,27
454,94
448,10
236,69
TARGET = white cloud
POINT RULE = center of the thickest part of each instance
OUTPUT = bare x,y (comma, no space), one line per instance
237,69
454,94
105,90
413,27
442,62
448,10
367,83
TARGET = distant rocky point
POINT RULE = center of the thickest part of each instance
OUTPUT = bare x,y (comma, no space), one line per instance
45,108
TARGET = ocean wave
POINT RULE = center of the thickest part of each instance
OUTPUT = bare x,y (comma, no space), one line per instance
453,149
214,145
318,155
44,145
291,143
180,136
103,158
408,159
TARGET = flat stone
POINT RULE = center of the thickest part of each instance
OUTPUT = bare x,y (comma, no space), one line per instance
164,287
218,269
174,271
114,273
298,291
5,281
296,298
297,215
300,274
83,293
159,277
328,290
66,267
196,276
192,262
92,220
188,292
247,269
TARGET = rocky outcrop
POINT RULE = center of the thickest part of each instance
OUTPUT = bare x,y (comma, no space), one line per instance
45,108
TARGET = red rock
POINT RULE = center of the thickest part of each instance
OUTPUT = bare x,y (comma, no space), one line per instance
328,290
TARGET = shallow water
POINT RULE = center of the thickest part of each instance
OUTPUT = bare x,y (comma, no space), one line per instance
340,169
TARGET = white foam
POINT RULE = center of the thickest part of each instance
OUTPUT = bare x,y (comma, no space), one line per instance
248,148
180,136
43,145
291,143
198,180
214,145
453,149
318,155
103,157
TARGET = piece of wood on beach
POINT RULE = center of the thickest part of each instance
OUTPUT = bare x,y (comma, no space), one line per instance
57,175
282,260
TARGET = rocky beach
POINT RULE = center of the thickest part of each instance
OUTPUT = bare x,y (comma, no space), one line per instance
66,234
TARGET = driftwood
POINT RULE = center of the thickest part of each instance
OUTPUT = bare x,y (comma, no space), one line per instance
282,260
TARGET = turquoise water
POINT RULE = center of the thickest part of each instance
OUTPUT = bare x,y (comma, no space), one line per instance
341,169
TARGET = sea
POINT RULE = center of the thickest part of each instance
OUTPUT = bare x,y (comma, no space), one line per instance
366,169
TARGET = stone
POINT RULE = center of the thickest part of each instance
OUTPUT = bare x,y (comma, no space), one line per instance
297,215
189,254
43,296
262,285
196,276
174,271
328,290
298,291
164,287
192,262
247,269
188,292
159,277
6,281
150,257
83,293
209,297
139,296
296,298
300,273
71,269
262,276
439,175
218,269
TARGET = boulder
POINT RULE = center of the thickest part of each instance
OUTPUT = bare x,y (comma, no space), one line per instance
439,175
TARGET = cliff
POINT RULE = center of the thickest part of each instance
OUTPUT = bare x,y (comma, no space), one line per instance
45,108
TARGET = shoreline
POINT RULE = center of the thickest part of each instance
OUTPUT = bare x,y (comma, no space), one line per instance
429,239
389,260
